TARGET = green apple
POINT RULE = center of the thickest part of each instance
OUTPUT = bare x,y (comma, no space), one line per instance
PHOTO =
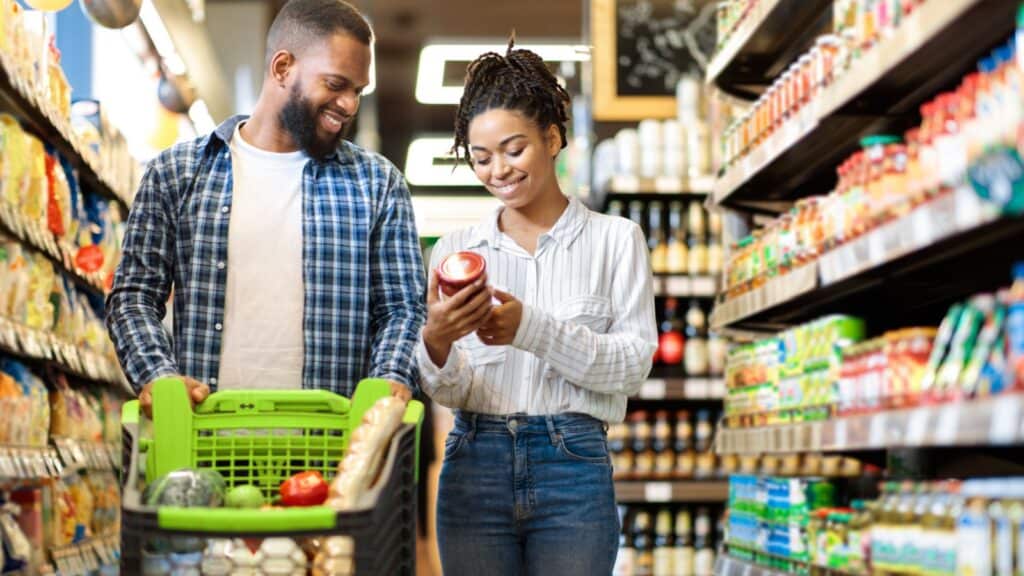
245,496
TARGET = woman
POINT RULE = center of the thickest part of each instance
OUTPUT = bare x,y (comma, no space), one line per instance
537,368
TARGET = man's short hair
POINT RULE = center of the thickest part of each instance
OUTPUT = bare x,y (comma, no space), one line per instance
302,22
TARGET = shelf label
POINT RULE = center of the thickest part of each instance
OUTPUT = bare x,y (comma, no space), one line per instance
626,183
697,388
917,427
1005,421
653,389
876,433
839,433
678,286
703,286
658,492
668,184
947,425
718,390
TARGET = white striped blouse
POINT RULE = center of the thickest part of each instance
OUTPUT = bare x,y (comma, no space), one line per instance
587,333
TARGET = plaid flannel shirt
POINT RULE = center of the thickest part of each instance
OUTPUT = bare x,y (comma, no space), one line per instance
363,278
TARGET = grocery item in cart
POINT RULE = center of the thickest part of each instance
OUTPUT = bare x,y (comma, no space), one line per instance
358,470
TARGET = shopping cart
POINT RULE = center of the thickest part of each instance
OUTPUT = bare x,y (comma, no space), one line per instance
261,438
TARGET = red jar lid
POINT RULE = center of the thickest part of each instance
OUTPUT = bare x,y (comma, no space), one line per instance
462,267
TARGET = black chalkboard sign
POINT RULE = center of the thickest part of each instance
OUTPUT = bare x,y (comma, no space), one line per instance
641,50
658,42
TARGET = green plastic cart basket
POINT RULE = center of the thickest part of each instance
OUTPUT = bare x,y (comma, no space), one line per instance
261,438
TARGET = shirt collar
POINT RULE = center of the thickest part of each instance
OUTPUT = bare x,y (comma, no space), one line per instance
226,131
564,232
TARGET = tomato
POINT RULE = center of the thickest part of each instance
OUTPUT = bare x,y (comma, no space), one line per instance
304,489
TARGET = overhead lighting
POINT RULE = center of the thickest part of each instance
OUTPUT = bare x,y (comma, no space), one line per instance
430,163
200,116
430,86
161,38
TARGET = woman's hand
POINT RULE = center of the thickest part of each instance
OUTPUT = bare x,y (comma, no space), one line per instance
500,329
450,319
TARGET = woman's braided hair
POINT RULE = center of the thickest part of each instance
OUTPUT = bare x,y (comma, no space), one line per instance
518,81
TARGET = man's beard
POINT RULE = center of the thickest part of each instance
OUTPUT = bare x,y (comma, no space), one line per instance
301,120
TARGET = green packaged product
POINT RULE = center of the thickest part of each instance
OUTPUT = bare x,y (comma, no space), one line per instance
942,341
962,345
990,334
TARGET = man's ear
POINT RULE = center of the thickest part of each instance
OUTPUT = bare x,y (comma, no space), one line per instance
281,65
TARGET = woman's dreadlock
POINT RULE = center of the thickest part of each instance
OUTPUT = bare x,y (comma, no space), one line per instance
518,81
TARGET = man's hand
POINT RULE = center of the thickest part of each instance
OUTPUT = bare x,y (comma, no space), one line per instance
455,317
400,391
500,329
197,392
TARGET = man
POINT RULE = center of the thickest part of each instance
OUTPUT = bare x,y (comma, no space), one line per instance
292,253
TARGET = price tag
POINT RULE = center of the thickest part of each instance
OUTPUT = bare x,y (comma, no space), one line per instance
703,286
876,247
626,183
653,389
658,492
718,389
103,553
7,469
876,433
89,558
1005,422
668,184
917,427
698,389
944,216
839,433
678,286
948,424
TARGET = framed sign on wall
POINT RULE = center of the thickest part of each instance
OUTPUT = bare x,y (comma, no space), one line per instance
641,50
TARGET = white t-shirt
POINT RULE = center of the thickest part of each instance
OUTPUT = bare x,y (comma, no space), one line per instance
262,343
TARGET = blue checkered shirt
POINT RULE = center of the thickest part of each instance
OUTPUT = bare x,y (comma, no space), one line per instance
363,279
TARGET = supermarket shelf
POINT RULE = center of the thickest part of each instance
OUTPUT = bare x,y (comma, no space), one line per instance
685,286
55,460
787,288
765,42
729,566
15,98
660,187
88,555
61,253
907,262
995,421
932,50
44,347
682,389
671,491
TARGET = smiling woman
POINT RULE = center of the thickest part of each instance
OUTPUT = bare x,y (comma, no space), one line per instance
538,367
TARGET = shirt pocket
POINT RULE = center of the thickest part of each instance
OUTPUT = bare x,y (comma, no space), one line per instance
594,312
480,354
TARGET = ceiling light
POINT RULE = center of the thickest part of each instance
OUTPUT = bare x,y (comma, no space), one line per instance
430,87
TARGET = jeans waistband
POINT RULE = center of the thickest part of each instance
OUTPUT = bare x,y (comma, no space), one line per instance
522,424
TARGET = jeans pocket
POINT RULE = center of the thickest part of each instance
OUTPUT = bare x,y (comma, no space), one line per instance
586,447
453,443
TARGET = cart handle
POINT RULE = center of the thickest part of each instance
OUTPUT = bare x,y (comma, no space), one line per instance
221,520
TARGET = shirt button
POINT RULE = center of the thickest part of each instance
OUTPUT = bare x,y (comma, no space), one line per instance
220,265
225,209
213,381
218,326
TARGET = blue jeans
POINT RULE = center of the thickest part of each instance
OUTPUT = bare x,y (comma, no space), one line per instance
527,495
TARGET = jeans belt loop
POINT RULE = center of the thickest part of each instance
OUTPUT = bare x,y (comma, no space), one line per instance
552,432
472,426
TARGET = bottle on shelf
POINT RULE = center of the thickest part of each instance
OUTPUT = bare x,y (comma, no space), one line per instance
656,241
663,544
662,443
718,351
617,208
620,448
683,552
636,214
706,462
625,560
677,253
643,448
644,544
670,341
695,355
704,551
686,458
697,241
